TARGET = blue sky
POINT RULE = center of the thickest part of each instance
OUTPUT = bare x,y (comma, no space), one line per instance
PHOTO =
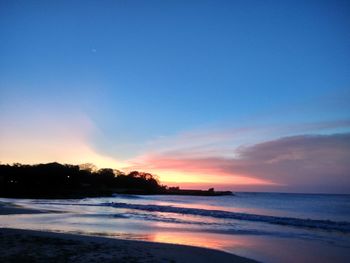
142,71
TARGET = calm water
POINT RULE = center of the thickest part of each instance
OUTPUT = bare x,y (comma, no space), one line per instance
268,227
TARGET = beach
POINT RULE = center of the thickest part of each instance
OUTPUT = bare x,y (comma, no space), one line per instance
19,245
265,227
174,131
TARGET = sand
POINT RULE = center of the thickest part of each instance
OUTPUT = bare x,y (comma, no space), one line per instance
17,245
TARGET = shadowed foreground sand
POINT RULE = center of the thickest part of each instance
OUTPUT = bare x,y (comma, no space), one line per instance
34,246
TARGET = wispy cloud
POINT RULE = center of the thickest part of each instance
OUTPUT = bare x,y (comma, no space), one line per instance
316,163
210,142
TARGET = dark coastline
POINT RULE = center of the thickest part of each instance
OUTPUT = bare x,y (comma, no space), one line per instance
109,193
62,181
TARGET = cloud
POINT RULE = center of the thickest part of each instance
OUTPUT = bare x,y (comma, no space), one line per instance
304,163
213,142
307,160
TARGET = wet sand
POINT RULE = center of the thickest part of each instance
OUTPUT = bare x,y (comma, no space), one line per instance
17,245
11,209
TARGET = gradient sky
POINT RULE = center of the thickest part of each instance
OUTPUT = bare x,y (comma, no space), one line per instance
241,95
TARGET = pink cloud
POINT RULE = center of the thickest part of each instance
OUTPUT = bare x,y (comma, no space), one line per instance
316,163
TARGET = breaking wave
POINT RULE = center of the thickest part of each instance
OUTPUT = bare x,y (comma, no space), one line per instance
287,221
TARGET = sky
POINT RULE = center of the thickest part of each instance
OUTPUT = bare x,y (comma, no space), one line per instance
239,95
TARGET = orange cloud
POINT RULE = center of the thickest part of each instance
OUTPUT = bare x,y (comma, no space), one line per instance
305,163
177,171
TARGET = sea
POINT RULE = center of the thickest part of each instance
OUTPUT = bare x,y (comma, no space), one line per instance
267,227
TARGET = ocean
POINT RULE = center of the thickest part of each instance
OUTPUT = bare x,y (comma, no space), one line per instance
268,227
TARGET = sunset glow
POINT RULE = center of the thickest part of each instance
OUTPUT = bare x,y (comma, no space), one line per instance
236,96
180,131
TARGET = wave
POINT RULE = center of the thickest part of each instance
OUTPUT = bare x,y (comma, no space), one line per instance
127,196
287,221
329,225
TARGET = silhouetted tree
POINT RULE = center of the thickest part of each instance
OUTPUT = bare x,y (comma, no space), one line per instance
61,180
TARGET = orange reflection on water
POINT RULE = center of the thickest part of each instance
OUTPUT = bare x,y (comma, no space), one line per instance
221,242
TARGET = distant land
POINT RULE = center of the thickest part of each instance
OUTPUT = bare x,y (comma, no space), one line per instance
55,180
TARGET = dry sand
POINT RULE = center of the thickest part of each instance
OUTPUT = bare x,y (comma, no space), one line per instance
17,245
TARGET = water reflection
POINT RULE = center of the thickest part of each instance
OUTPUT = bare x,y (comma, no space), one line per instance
180,228
220,242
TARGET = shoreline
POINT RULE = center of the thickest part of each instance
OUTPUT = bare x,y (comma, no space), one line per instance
8,208
113,192
22,245
19,245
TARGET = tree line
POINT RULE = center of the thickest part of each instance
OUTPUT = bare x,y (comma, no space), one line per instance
55,180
